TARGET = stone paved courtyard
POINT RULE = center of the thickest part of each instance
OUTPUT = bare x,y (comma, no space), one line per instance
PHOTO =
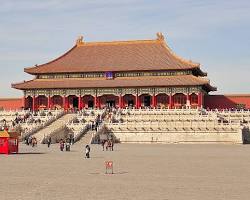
142,171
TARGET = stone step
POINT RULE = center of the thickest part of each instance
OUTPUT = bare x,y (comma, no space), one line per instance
86,139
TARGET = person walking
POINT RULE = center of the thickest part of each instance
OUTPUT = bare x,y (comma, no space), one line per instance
87,151
103,144
49,141
67,145
61,144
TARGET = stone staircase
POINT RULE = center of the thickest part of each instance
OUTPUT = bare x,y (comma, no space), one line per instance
86,139
57,127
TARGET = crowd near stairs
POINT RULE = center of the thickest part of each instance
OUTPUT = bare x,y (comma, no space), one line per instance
58,127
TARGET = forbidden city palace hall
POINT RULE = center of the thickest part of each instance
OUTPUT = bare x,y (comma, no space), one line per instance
140,73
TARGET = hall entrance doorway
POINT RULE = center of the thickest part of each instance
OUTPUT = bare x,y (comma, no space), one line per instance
90,104
75,102
147,100
110,103
131,103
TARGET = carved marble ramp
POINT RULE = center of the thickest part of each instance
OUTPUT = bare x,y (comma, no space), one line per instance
52,128
86,139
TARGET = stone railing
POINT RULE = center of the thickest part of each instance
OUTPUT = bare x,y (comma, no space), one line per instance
41,126
54,134
174,126
102,129
81,133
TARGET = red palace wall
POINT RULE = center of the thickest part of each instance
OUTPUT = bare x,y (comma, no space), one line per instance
226,101
11,103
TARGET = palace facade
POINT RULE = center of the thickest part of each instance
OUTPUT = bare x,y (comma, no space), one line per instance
140,73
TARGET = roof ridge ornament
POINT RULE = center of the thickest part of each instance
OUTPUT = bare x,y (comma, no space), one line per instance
79,40
160,36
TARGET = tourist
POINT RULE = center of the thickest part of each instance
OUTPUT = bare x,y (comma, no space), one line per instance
67,145
26,140
61,143
49,141
103,144
92,125
71,139
33,142
112,145
87,151
108,147
30,140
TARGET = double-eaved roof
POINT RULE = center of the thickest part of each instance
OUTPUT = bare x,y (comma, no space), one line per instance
139,55
118,56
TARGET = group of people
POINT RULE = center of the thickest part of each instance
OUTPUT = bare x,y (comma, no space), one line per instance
65,144
31,141
108,145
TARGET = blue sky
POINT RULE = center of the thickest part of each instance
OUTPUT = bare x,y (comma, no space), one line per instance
215,33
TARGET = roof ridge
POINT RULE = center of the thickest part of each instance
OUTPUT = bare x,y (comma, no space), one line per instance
116,42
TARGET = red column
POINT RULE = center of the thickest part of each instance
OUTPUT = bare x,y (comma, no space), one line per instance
170,101
33,103
153,101
80,102
67,102
188,103
136,101
200,100
64,103
139,101
120,101
97,103
49,100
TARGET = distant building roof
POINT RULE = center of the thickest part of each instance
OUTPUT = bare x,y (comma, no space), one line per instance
138,55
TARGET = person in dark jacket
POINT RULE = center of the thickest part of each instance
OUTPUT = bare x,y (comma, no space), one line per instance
87,151
49,141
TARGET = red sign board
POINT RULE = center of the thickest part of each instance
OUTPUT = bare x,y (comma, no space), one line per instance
109,167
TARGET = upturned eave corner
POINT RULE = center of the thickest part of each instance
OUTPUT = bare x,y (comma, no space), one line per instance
190,63
29,70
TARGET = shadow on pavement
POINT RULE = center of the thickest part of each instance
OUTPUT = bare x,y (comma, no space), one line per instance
29,153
